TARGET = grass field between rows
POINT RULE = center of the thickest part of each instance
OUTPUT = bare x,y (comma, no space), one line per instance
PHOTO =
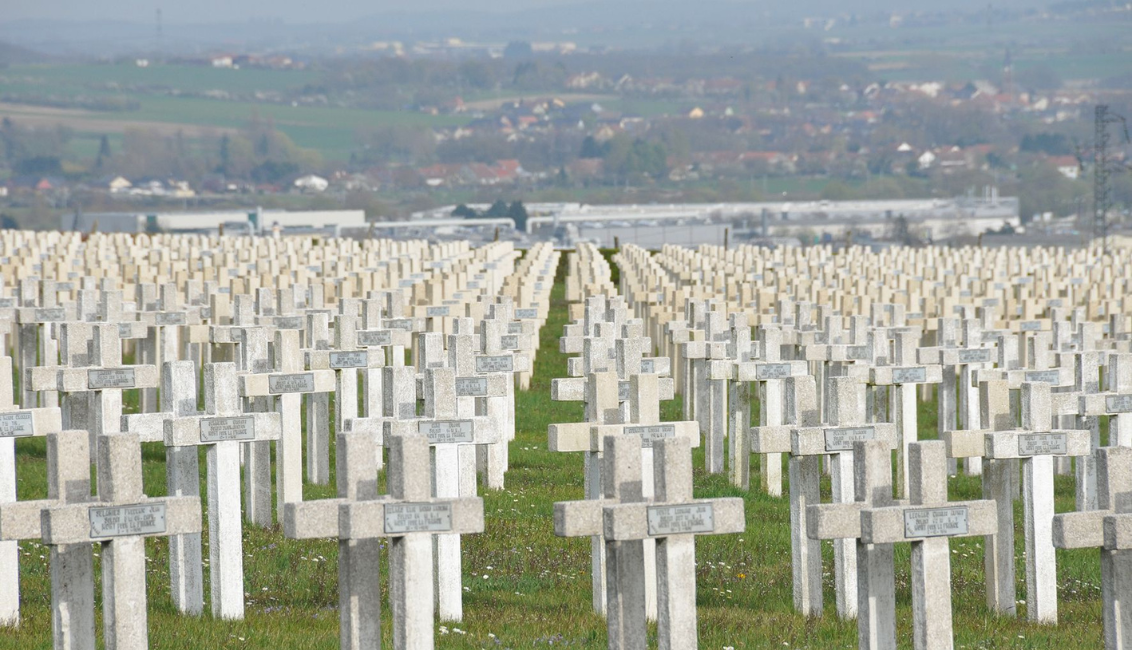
526,588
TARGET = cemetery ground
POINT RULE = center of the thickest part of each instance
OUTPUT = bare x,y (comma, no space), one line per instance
526,588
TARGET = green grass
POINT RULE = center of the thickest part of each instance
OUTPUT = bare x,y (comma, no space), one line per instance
531,589
75,78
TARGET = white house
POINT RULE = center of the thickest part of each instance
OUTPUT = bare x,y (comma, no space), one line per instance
926,160
119,184
311,183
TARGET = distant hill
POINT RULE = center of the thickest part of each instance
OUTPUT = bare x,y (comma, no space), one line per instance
14,54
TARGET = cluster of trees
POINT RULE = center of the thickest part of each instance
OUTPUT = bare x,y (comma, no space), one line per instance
500,209
627,158
33,151
257,152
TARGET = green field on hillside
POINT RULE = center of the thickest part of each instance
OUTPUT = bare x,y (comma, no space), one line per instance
526,588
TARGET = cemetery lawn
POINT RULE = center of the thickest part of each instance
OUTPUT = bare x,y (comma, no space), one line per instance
526,588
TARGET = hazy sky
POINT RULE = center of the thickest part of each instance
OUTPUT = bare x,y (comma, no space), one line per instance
221,11
333,11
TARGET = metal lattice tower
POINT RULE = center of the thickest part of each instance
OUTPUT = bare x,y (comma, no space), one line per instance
1102,200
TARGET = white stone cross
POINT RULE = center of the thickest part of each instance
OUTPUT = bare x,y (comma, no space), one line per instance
120,521
106,379
223,428
625,590
446,433
1037,445
876,583
1090,530
673,519
15,423
928,522
412,519
769,375
359,591
905,377
288,384
999,485
72,572
182,474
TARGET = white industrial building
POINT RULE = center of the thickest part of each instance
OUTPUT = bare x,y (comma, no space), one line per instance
255,220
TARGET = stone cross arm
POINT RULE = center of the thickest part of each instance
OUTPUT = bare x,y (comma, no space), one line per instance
1086,529
573,389
580,518
101,522
312,519
389,518
630,521
586,436
78,380
510,362
212,429
449,431
384,338
21,520
813,441
345,359
955,356
20,423
279,383
900,375
893,524
1025,444
1106,403
767,370
966,443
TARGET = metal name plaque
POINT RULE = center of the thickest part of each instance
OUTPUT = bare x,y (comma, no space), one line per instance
650,434
121,521
772,371
909,375
170,318
1043,444
375,337
418,518
288,322
1118,403
6,303
526,314
622,391
300,383
677,520
50,314
843,439
400,324
974,356
471,386
515,328
357,359
857,352
935,522
114,378
405,284
503,363
224,429
433,312
1044,376
16,425
125,330
648,366
1030,326
446,432
509,342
